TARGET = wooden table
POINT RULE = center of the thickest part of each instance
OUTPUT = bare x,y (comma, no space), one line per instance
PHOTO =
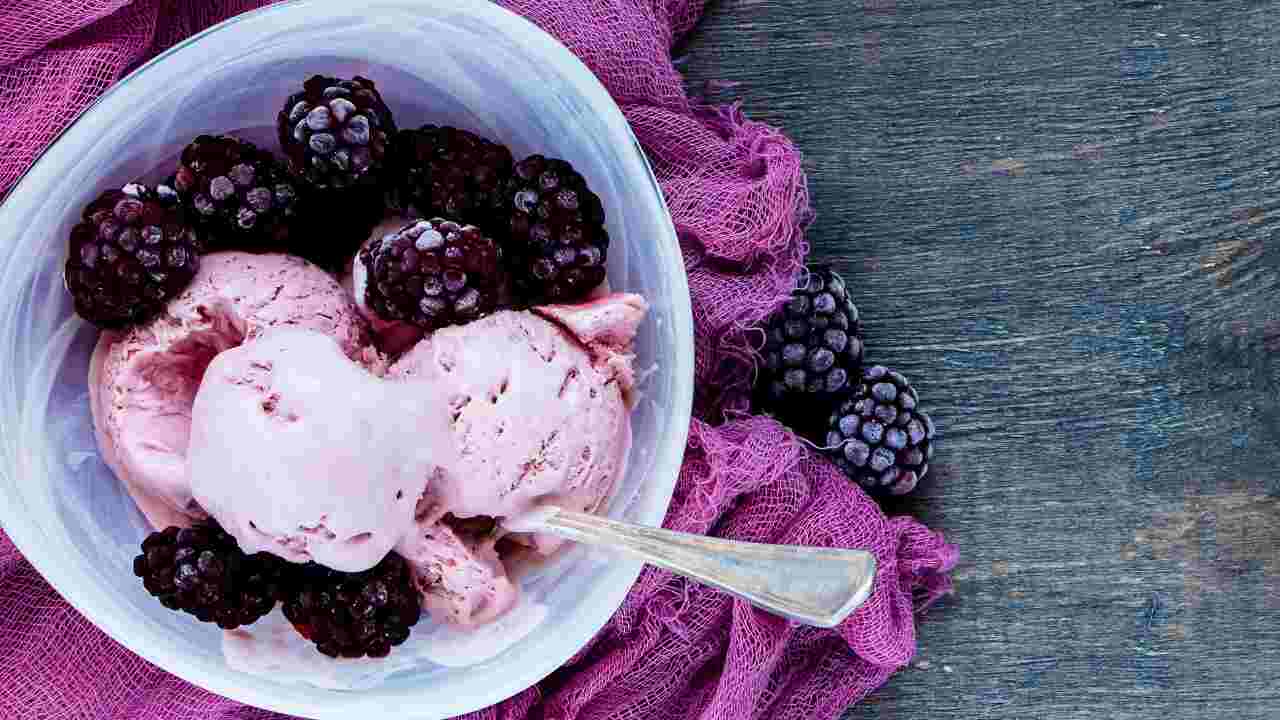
1057,219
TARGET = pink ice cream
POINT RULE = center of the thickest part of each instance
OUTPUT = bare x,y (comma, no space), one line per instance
299,451
607,326
462,579
142,382
535,414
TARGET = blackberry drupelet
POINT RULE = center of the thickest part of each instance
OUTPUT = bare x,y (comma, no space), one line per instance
133,250
355,614
202,571
879,437
335,132
446,172
557,240
813,350
432,273
236,192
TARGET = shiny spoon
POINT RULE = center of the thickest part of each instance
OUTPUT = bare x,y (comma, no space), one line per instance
810,585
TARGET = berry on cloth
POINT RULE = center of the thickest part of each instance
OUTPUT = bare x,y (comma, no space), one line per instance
879,437
813,350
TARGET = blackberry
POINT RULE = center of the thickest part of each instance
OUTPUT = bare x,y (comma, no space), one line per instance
355,614
879,437
446,172
132,251
432,273
202,571
236,192
335,132
813,349
558,243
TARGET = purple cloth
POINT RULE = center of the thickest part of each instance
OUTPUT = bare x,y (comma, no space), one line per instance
675,650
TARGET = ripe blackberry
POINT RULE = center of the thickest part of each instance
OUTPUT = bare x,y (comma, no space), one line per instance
447,172
335,132
879,437
432,273
202,571
813,349
236,192
133,250
558,243
354,614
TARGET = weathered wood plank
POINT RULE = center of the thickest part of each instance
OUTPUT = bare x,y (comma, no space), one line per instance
1058,220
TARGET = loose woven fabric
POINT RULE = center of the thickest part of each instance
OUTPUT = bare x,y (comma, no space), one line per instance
675,650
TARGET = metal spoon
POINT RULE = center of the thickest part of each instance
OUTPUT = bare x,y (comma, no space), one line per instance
813,586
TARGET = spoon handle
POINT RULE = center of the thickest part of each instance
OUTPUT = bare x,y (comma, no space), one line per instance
813,586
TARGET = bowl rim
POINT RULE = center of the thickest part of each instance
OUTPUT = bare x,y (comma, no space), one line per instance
28,537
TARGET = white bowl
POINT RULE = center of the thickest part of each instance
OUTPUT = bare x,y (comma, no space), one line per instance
470,64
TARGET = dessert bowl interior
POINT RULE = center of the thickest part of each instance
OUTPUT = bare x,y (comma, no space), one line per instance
469,64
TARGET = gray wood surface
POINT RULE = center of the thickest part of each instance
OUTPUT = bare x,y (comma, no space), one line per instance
1058,219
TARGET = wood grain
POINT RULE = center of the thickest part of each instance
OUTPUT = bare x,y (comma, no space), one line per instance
1058,219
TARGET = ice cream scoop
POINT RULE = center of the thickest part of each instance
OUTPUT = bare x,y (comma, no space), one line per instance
142,381
299,451
537,409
